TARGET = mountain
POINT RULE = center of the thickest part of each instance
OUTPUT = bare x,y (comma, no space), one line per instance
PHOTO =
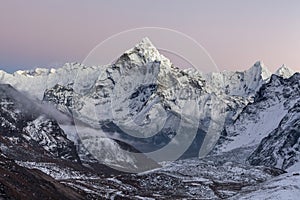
244,84
29,132
285,72
35,82
25,126
142,128
257,120
142,83
142,93
268,126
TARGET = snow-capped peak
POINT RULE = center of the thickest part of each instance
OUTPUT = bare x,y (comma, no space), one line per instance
36,72
284,71
143,53
146,43
261,69
259,63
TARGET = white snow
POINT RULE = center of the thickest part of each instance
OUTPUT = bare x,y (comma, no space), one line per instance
55,171
284,72
286,186
251,132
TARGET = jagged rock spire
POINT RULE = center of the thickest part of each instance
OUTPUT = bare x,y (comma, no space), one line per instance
284,71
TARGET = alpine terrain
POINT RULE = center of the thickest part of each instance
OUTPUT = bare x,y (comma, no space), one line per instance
142,128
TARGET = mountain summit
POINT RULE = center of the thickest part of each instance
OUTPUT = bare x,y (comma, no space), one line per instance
284,72
144,52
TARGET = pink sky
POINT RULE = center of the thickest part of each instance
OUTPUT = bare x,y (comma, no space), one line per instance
236,33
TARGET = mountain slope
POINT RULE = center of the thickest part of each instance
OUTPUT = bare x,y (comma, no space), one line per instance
257,119
25,125
28,132
281,148
285,186
18,182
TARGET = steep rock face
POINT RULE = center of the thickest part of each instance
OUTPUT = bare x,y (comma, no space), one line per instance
23,123
258,119
281,148
50,136
64,98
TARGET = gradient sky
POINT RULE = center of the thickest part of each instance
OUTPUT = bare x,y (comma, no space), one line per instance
236,33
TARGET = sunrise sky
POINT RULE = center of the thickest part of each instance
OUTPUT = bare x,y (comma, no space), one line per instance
236,33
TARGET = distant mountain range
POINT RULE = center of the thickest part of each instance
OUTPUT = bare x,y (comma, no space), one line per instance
209,136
